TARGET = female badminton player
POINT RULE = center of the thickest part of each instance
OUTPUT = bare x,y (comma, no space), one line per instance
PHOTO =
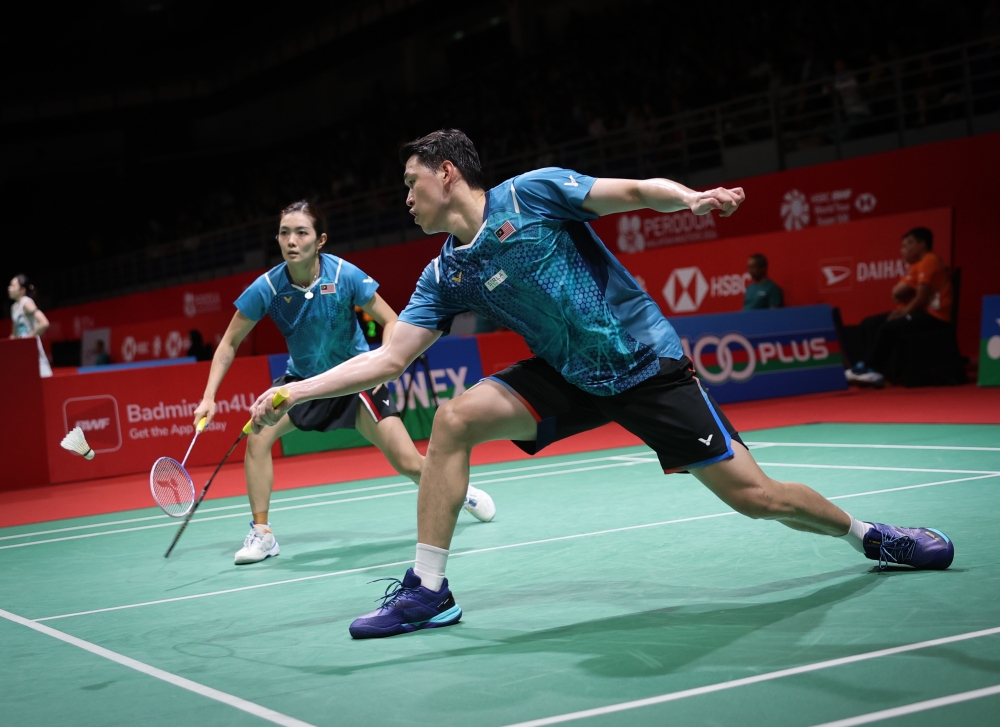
26,319
311,297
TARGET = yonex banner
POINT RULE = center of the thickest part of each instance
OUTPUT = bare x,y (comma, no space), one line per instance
131,418
765,353
453,365
989,342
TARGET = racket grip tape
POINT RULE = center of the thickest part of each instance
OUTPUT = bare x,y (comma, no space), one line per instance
279,396
202,424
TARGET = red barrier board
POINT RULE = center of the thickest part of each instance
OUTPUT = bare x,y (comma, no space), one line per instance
947,174
182,301
131,418
852,266
168,337
22,431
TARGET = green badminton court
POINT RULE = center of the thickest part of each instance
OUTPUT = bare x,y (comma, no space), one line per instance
602,594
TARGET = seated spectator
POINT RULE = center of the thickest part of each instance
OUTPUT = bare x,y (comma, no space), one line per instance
923,305
199,349
101,357
762,292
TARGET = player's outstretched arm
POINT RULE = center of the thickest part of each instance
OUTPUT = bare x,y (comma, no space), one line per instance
610,196
359,373
238,329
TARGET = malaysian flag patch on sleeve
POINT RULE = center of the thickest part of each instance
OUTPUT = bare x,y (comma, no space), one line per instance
505,230
327,288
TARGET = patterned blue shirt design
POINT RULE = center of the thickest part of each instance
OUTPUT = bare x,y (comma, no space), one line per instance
537,268
322,331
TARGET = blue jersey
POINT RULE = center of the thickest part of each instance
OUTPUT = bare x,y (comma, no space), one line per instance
322,329
537,268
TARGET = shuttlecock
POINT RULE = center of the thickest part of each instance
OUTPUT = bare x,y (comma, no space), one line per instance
76,442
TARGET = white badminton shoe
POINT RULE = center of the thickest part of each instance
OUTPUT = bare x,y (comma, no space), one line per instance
260,544
479,504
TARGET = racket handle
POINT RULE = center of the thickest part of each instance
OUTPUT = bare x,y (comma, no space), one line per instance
201,425
279,396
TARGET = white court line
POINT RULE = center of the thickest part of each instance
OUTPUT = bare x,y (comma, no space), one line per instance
915,487
310,497
176,522
745,681
875,446
477,550
408,561
203,510
914,708
878,469
250,707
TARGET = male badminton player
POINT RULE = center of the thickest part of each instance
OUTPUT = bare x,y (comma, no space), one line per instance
521,254
311,297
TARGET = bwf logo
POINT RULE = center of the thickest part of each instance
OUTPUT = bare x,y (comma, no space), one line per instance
97,416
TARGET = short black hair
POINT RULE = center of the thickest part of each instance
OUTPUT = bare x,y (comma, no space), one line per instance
446,145
922,234
759,258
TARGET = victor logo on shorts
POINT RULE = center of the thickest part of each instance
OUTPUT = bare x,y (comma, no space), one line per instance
707,442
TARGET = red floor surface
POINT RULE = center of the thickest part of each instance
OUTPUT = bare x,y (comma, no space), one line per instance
953,405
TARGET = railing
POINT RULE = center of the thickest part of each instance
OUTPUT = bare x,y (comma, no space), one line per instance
944,94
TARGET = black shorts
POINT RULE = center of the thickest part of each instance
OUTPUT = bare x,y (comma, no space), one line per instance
324,415
670,412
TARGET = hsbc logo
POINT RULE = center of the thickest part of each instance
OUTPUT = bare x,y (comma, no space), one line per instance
865,202
685,290
98,417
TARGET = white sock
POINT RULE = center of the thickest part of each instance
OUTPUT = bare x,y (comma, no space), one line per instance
856,534
429,565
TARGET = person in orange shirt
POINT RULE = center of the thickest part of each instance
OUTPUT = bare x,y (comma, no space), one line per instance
923,304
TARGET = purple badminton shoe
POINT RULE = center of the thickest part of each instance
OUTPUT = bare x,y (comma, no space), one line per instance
920,548
408,606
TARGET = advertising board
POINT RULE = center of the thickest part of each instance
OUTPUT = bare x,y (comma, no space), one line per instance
130,418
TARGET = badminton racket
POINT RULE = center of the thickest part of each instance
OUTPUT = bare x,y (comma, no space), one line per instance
279,396
171,484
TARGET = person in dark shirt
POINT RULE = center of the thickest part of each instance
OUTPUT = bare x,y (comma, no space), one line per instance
199,349
101,357
762,292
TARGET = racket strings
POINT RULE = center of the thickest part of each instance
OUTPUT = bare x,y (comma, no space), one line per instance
172,487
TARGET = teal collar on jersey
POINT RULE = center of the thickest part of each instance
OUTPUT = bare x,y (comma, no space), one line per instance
319,278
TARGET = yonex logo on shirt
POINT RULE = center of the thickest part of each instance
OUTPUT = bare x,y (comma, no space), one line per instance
496,280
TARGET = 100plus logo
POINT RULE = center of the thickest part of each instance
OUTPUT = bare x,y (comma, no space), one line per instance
735,357
97,416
